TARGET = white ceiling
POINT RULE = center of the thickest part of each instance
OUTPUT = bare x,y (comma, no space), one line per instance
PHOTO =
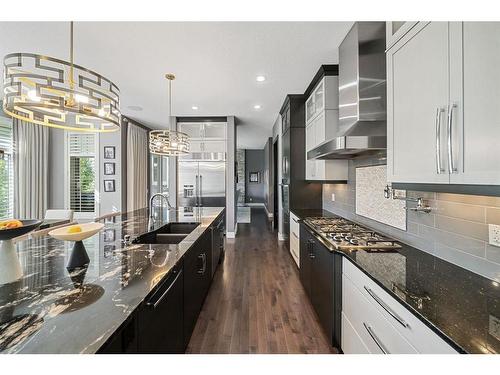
215,64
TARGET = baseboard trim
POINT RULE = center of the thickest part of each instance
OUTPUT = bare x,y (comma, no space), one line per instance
232,234
270,215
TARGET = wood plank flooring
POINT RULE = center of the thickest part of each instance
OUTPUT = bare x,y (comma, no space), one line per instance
256,303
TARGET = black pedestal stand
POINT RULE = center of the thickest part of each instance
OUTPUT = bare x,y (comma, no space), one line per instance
79,257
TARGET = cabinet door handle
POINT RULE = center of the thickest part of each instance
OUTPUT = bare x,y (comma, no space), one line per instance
376,339
203,258
439,169
294,219
158,301
451,162
386,307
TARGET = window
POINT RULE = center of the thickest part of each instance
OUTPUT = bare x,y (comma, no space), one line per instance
82,173
6,169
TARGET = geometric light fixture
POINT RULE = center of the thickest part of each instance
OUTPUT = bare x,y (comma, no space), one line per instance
60,94
168,142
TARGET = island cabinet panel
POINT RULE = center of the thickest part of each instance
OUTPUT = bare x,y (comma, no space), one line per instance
317,278
124,340
197,279
160,320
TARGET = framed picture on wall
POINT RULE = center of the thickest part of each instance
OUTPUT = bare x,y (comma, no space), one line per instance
109,152
254,177
109,168
109,235
109,186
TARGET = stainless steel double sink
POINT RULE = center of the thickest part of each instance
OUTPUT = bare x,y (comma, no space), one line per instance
171,233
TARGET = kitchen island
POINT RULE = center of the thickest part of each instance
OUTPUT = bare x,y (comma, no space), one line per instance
52,310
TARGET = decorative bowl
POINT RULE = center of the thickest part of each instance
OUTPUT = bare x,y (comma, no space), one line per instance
79,257
88,230
28,226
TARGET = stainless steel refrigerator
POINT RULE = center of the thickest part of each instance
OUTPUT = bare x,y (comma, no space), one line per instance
201,183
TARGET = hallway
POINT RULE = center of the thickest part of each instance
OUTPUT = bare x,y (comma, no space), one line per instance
256,303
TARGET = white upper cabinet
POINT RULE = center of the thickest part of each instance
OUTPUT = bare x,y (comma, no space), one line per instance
443,118
418,95
322,116
395,30
477,153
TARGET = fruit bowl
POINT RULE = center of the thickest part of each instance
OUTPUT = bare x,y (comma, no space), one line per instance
88,230
77,233
27,226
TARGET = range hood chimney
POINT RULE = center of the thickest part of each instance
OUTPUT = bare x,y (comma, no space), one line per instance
362,95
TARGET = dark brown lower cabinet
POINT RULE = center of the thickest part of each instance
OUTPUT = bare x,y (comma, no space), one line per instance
320,276
197,278
160,320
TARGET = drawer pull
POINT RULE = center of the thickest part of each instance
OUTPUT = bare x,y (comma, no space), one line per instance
386,308
293,233
294,220
155,304
376,339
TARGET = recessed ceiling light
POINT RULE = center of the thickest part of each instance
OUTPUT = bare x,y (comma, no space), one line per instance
260,78
256,106
135,108
194,108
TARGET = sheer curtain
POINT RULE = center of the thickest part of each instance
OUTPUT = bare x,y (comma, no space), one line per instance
137,167
31,151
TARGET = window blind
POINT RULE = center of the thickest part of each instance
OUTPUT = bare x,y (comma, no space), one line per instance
82,172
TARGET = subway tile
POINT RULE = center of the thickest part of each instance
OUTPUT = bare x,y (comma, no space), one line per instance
462,211
468,245
463,227
493,253
493,216
421,194
421,218
470,199
412,228
473,263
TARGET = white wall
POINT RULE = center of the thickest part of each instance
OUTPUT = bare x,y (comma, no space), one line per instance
110,201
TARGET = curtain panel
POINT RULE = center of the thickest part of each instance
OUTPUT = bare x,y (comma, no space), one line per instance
137,167
31,150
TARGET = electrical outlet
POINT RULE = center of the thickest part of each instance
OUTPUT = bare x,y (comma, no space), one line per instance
494,234
333,197
494,327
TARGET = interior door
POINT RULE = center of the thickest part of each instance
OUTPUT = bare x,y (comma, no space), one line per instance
187,184
212,183
477,153
418,88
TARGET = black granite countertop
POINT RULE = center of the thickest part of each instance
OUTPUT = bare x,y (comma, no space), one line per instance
51,310
464,307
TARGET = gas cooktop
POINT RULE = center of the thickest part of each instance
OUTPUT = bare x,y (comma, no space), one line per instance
344,234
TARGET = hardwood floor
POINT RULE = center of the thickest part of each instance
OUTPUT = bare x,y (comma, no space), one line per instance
256,303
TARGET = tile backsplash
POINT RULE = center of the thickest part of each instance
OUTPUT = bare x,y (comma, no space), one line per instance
370,200
456,230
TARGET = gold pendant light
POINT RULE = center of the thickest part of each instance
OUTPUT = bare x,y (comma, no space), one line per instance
168,142
60,94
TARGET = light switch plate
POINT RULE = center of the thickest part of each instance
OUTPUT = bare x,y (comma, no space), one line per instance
494,234
494,327
333,197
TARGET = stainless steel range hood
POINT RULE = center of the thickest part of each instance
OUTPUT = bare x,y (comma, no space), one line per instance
362,125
